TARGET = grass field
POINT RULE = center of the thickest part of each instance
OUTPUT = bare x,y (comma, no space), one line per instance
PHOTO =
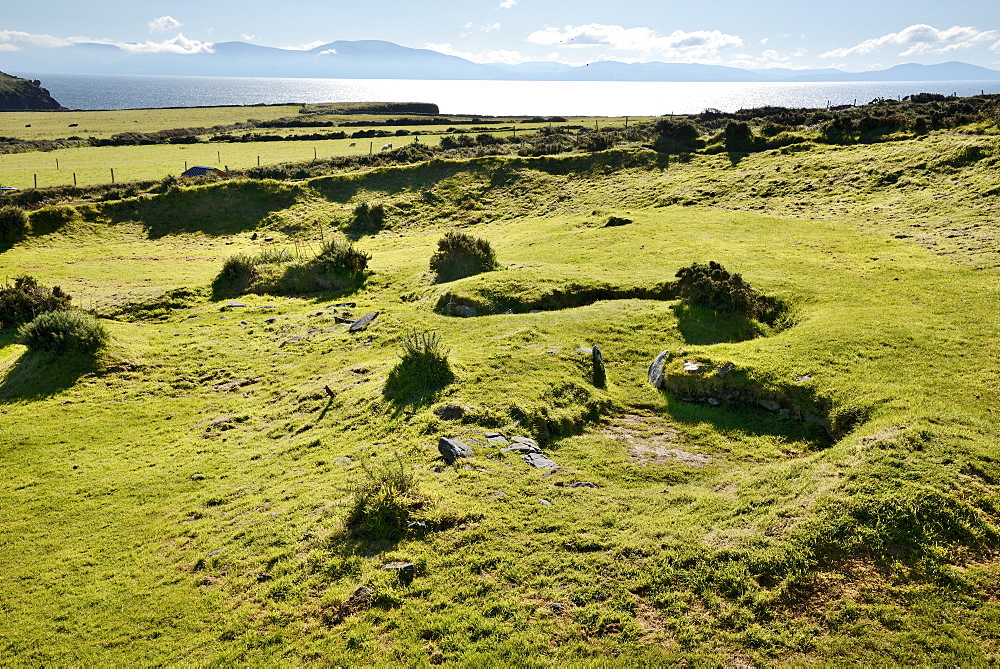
185,498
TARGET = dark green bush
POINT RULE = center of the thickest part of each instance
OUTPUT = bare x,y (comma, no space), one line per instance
368,217
63,332
26,299
13,223
460,255
738,137
712,287
675,136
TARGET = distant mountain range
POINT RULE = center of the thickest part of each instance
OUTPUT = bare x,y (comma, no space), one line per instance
371,59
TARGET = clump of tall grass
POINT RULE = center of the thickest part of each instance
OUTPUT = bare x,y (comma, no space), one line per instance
422,370
383,501
60,332
337,266
13,223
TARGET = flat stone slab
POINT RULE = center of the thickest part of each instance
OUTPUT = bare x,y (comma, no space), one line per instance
539,461
363,322
521,448
527,441
235,303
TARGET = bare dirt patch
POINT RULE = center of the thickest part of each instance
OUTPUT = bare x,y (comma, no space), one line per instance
651,439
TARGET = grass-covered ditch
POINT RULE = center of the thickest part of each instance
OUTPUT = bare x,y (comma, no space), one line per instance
238,477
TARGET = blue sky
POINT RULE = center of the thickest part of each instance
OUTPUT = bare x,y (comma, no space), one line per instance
855,35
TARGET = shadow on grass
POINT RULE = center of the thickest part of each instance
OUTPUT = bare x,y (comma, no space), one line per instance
36,376
748,420
702,326
422,372
225,208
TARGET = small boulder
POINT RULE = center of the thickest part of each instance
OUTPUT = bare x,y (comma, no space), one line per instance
405,571
770,405
495,438
521,448
583,484
691,366
452,449
449,412
616,221
725,369
235,303
461,310
539,461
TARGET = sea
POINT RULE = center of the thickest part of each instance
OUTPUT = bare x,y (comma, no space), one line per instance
493,98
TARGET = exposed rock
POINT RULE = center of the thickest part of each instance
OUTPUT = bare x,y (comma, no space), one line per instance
363,322
338,319
691,366
343,461
655,373
600,374
18,94
495,438
713,402
452,449
616,221
583,484
244,322
539,461
725,369
545,502
405,571
449,412
804,378
497,495
770,405
462,310
272,319
524,440
350,305
521,448
235,303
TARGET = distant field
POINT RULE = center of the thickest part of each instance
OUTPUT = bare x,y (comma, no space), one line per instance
56,125
93,165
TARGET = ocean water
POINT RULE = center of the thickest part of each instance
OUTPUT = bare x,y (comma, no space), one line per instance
497,98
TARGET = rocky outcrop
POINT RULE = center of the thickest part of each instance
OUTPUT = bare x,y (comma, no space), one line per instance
18,94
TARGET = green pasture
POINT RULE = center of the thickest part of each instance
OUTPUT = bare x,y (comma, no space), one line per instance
93,165
57,125
182,498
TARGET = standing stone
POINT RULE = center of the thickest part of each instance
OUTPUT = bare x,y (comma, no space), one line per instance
655,373
600,374
452,449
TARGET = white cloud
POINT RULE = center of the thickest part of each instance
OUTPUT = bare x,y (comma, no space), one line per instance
177,44
17,39
765,40
482,28
328,52
995,47
304,47
920,39
508,4
681,45
163,24
247,38
502,56
9,47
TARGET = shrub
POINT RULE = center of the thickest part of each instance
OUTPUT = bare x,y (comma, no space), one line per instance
26,299
422,370
383,502
339,258
238,274
712,287
738,137
13,223
675,136
460,255
64,332
368,217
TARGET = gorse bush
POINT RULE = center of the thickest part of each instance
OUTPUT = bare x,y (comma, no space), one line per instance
368,217
712,287
675,136
338,257
26,299
238,274
60,332
13,223
422,370
460,255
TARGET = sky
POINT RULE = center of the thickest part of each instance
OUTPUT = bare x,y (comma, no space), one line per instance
853,35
